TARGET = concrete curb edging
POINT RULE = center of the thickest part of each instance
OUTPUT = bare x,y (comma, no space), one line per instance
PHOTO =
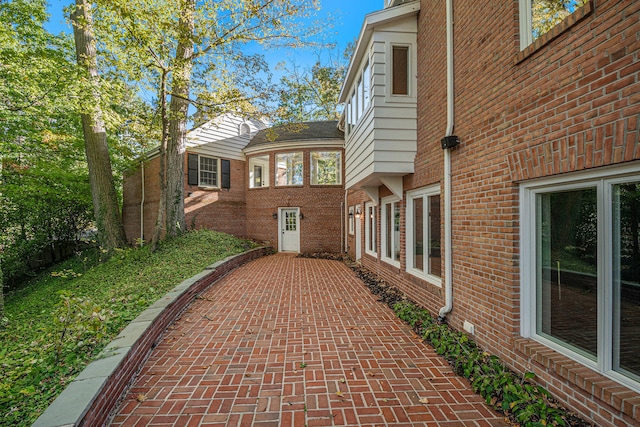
92,396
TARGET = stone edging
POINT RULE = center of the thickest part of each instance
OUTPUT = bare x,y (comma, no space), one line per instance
92,396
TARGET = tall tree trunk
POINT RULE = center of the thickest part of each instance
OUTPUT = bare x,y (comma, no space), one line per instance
105,200
178,110
158,231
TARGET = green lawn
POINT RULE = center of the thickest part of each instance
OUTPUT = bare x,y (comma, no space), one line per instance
61,320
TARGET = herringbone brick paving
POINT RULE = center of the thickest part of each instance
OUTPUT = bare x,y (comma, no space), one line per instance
286,341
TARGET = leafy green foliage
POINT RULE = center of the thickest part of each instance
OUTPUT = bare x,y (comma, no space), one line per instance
60,321
527,404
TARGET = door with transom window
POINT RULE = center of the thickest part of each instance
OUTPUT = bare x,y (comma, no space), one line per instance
289,230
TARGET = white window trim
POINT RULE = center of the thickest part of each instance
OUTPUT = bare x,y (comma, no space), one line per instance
259,161
370,206
602,179
383,230
424,193
200,184
526,24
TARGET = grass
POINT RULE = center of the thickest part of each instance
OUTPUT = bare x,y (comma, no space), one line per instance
61,320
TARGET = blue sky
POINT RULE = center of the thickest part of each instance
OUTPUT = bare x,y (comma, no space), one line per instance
348,16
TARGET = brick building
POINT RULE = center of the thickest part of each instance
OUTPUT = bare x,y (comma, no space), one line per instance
281,185
494,167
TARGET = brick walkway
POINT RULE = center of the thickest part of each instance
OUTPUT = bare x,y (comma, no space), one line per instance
286,341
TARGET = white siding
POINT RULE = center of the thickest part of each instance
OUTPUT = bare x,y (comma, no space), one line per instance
383,142
221,137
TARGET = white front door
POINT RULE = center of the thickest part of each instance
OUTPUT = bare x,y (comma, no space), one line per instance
289,226
358,237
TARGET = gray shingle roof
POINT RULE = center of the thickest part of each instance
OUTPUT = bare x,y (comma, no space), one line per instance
308,131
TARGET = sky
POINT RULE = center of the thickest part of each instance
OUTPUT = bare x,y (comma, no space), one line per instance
348,16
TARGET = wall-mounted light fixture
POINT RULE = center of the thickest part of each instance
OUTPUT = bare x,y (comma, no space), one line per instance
358,213
301,215
351,215
275,215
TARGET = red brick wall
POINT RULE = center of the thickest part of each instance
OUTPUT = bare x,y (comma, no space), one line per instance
320,230
570,102
217,209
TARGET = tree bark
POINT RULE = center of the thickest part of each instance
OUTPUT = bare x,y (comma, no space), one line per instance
178,111
159,227
105,200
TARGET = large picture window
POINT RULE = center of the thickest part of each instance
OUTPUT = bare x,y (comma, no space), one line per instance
259,171
423,234
581,271
390,231
289,169
326,168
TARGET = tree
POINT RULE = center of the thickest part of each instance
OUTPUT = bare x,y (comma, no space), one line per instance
308,95
186,53
105,199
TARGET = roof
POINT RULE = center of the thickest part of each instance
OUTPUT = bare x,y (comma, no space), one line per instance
299,132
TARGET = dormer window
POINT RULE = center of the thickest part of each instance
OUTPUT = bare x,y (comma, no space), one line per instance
400,70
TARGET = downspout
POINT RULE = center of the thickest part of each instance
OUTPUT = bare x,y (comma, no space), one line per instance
142,207
345,215
448,266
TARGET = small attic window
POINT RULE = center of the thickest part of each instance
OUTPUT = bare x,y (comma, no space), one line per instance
244,129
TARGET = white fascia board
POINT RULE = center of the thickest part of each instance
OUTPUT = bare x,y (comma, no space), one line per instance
371,21
298,145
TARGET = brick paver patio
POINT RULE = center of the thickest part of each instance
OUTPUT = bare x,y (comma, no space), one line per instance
286,341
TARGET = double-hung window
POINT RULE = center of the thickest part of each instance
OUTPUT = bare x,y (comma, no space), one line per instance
581,270
423,234
259,171
326,168
370,229
289,169
208,172
390,230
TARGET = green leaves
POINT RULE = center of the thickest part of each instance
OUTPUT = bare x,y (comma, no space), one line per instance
528,404
60,321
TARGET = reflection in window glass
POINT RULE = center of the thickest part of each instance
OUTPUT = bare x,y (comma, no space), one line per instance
626,278
289,169
326,168
547,14
435,263
567,288
418,234
259,171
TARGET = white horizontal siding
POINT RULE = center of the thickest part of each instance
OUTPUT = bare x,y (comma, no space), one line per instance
221,137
